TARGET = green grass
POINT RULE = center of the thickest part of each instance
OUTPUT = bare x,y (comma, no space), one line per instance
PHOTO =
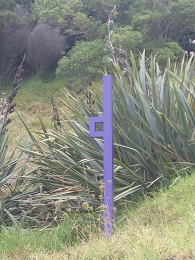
36,90
33,99
161,227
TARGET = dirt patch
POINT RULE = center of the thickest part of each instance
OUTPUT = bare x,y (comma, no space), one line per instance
36,109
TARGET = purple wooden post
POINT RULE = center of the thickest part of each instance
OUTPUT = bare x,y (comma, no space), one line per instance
107,134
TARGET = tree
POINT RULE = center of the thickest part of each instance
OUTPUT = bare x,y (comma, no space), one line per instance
99,9
25,3
44,48
7,12
171,51
168,19
15,23
71,18
58,12
127,38
85,62
13,42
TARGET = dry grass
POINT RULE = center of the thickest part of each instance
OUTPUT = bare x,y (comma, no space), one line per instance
33,100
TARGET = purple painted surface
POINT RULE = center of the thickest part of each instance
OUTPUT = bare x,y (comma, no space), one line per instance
92,122
108,155
107,134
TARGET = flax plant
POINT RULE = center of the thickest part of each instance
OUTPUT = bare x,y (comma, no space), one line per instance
154,121
12,164
153,139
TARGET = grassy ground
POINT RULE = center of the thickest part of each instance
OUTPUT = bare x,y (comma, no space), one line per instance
33,100
162,227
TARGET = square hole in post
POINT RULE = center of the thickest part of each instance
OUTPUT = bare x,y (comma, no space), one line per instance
99,126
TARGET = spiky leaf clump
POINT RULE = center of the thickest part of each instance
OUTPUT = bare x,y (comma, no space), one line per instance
153,138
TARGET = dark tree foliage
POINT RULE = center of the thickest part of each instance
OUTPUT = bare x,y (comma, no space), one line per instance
138,24
12,45
7,12
44,48
26,3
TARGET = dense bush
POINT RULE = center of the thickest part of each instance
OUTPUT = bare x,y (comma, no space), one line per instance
127,38
171,51
13,42
44,48
139,25
85,62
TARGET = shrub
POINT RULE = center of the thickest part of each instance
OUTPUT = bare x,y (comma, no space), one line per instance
172,51
44,48
127,38
85,62
13,42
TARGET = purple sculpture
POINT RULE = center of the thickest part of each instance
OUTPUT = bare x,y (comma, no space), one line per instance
107,134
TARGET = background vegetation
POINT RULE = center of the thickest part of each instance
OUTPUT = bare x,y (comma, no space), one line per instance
54,174
73,32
